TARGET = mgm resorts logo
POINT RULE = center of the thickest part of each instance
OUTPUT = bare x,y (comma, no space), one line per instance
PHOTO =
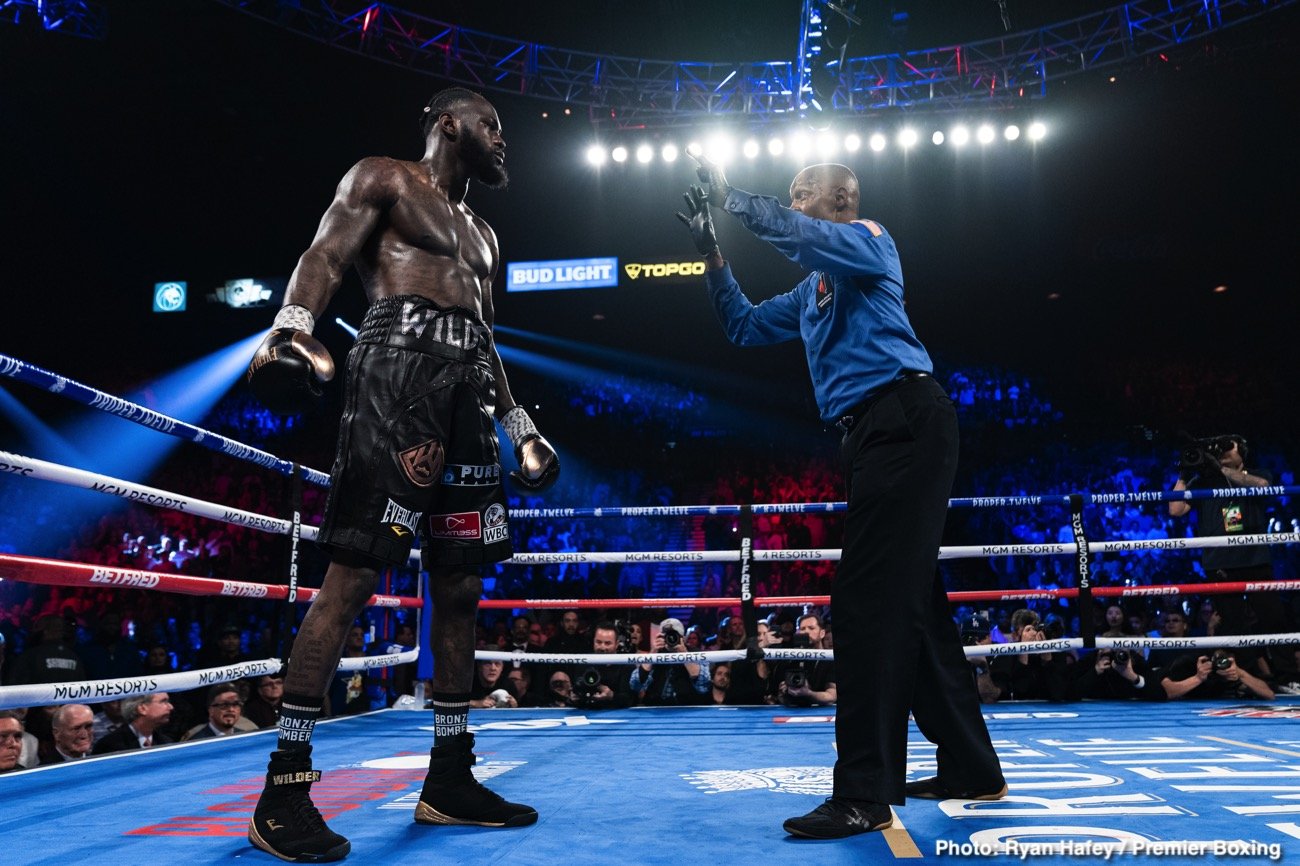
664,270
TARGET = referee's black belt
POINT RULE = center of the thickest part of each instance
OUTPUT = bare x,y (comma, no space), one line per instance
858,412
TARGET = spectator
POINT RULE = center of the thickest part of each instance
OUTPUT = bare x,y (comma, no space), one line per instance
225,712
158,661
225,650
110,655
488,689
570,638
145,717
263,707
108,718
1117,624
73,727
720,682
670,684
11,741
347,692
519,684
807,684
402,677
751,681
1202,677
52,660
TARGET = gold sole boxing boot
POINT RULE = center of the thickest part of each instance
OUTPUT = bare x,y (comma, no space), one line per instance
452,795
286,823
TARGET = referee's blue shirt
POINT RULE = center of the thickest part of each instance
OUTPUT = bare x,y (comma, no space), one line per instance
848,311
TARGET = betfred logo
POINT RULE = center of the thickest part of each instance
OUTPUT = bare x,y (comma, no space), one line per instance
462,525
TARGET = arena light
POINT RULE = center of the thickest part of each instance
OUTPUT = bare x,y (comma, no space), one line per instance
877,142
907,138
351,329
619,154
751,149
596,155
776,146
1011,133
669,153
1037,131
644,153
720,148
694,149
937,138
827,145
960,136
985,134
852,142
800,145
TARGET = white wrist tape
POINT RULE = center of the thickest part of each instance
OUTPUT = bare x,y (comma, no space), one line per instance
295,318
518,426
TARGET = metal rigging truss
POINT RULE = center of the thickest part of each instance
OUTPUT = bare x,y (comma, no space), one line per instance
629,91
85,18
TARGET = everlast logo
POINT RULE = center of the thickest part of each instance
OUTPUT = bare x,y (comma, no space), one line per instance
401,518
655,270
423,463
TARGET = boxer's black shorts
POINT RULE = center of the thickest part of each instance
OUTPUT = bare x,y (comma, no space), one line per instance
417,449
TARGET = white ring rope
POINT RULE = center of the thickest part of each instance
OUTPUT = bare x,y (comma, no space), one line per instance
97,691
975,651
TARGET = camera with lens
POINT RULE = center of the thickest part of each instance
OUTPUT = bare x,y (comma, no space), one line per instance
797,676
672,638
624,631
1119,658
586,683
1199,460
1222,661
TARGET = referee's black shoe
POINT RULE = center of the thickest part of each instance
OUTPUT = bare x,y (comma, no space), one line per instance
934,789
838,817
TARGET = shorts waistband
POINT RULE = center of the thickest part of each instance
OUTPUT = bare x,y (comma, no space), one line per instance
417,323
859,411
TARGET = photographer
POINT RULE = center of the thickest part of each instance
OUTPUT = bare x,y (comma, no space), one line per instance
605,686
807,684
1205,677
1031,676
976,631
674,684
751,681
1116,675
1220,462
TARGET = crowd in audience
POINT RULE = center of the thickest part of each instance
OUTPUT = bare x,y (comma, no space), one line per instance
1016,442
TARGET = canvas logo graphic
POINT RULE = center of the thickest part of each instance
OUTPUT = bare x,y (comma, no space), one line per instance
494,524
1261,711
423,463
780,780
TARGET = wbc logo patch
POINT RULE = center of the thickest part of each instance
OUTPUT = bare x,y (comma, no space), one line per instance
423,463
494,524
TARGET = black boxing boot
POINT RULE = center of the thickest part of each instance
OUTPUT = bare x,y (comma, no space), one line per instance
452,795
286,823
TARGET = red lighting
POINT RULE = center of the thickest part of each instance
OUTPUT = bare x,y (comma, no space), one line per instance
370,16
1219,290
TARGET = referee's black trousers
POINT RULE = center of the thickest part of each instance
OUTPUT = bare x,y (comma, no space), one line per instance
896,645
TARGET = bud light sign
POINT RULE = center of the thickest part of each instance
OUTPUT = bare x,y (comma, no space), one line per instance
564,274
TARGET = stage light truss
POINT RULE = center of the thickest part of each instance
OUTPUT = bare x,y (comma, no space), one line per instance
84,18
627,91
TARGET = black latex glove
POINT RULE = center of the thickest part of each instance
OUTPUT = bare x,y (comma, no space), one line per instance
711,173
700,221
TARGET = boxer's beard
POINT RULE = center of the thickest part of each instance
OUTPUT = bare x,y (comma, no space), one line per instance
483,165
